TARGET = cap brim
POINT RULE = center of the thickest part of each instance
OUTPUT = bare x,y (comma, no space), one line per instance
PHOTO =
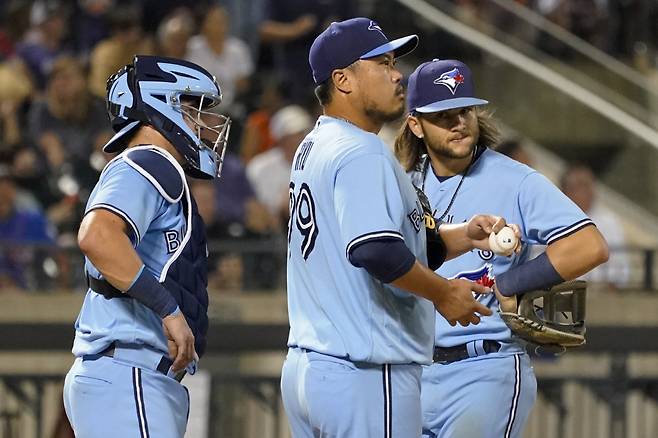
114,145
400,46
448,104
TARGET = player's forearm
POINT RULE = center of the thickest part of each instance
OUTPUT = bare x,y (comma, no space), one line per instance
422,281
579,253
456,239
109,249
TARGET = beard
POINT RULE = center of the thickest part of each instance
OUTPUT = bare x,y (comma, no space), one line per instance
444,151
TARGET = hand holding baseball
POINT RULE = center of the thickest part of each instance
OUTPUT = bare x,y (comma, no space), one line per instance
504,242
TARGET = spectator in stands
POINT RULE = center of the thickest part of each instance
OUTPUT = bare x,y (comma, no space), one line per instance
515,150
43,42
15,91
19,228
269,172
90,18
290,26
579,184
174,34
226,57
225,270
66,127
256,136
243,217
119,49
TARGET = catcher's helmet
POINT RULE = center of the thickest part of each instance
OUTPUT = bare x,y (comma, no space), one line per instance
172,96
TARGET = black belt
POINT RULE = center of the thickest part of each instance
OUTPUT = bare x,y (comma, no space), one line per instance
104,288
163,366
445,355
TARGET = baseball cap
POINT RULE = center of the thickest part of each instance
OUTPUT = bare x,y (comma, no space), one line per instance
289,120
345,42
441,85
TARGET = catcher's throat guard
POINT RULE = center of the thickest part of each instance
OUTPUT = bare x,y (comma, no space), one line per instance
551,317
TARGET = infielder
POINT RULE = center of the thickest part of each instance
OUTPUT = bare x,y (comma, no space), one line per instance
360,327
481,383
144,319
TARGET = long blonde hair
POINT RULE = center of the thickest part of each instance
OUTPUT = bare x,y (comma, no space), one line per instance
409,148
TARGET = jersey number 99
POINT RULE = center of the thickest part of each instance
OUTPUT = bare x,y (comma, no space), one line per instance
302,212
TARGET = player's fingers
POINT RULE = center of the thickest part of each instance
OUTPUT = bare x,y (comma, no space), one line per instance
173,349
499,224
480,289
474,319
482,309
464,321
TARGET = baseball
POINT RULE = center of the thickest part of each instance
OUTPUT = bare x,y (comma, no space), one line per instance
504,242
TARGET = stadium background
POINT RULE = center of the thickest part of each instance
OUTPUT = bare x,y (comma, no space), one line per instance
573,83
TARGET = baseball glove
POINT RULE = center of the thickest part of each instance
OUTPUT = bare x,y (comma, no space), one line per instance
436,248
559,320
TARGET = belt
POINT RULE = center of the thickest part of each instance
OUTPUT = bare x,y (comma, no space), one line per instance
104,288
162,366
446,355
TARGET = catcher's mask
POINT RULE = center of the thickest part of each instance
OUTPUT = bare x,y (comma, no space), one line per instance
559,313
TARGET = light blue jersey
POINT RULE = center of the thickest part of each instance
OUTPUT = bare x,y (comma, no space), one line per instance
498,185
158,231
347,188
503,379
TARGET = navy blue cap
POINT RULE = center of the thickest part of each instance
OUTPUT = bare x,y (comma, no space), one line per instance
344,42
441,85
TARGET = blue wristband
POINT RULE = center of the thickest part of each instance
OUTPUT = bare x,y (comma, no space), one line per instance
538,273
148,291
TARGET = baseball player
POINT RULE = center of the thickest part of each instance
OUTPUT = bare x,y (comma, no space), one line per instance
144,319
360,327
481,383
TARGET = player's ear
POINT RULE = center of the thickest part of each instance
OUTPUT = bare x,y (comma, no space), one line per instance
343,80
414,125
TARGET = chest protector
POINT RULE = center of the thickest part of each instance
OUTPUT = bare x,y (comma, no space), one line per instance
186,276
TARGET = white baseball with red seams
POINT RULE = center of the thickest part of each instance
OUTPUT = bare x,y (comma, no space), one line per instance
503,242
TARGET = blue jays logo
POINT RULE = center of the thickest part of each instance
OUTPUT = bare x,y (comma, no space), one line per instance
375,26
451,79
483,276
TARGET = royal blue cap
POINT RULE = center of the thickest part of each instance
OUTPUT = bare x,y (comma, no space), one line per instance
441,85
344,42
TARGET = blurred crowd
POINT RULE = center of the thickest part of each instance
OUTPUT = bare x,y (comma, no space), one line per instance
625,29
55,58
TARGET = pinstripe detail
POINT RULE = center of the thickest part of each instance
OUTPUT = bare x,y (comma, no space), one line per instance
515,399
139,403
369,236
564,232
120,213
388,401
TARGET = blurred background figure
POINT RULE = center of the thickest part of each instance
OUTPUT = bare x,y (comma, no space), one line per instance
20,228
288,30
579,184
174,33
65,128
225,56
256,135
44,40
269,171
112,53
514,149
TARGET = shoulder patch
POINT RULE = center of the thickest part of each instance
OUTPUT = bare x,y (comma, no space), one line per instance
159,170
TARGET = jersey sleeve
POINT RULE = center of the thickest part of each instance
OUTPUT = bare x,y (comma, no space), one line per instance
125,192
547,214
367,200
